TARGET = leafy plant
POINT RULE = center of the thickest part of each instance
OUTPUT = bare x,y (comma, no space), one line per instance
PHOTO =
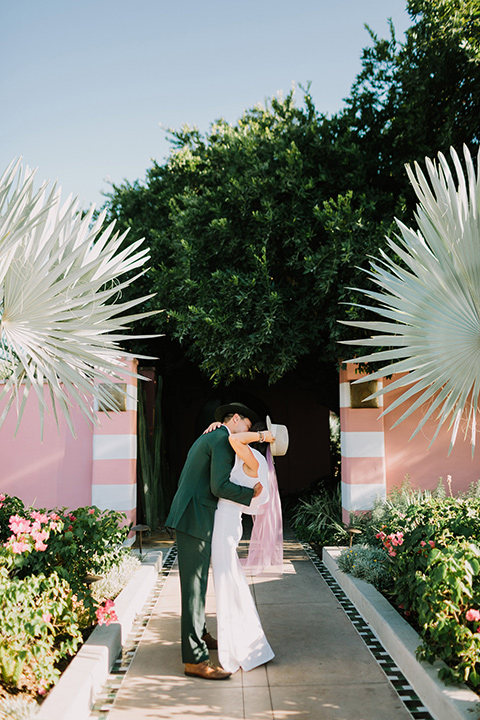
319,518
367,563
39,627
431,544
9,505
154,478
72,544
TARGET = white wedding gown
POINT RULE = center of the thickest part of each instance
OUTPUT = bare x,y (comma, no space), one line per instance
241,640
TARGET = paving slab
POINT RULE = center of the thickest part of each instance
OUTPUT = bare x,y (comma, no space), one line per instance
322,668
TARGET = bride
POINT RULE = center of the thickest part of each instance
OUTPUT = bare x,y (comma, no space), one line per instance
241,640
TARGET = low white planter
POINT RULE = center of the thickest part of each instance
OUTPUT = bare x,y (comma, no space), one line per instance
74,695
444,702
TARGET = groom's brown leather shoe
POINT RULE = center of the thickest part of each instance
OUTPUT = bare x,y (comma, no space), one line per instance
210,641
206,670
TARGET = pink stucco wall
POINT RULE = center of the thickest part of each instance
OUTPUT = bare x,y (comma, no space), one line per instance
425,466
98,466
54,473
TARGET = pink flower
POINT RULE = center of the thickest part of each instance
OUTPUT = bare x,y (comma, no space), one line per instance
39,545
91,511
381,536
423,543
105,614
39,517
19,525
71,517
46,617
473,615
2,498
54,516
20,546
431,543
39,535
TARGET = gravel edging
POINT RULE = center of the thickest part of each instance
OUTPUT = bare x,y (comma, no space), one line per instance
445,702
73,696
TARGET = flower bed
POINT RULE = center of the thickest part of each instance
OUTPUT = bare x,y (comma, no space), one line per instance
401,642
428,566
47,606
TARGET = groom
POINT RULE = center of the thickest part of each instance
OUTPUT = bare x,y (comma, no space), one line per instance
205,478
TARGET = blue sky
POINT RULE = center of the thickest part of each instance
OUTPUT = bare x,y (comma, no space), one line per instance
86,86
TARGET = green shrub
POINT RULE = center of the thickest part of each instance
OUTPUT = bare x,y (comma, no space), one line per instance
367,563
45,601
438,582
39,627
319,518
9,505
432,543
73,544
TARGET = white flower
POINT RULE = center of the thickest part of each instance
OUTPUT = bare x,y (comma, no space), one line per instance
431,303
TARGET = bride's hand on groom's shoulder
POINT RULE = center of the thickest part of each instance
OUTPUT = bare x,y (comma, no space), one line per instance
212,426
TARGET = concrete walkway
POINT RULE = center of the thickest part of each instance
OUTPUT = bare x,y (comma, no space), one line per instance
322,669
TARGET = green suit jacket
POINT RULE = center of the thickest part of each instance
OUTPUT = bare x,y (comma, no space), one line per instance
205,478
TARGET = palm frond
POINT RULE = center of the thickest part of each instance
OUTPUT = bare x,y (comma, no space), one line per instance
61,318
432,302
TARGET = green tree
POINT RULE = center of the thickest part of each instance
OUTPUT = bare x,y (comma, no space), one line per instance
258,230
255,238
418,98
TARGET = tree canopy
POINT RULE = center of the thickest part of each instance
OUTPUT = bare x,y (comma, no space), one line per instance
258,229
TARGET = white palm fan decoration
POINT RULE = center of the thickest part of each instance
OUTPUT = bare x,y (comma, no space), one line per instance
432,304
60,326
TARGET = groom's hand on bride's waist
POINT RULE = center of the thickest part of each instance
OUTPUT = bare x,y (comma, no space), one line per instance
257,489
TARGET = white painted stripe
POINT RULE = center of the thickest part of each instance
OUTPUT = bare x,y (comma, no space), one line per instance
132,397
114,447
345,400
380,399
362,444
115,497
361,496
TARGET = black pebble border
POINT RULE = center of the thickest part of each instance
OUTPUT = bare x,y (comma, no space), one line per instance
106,697
403,688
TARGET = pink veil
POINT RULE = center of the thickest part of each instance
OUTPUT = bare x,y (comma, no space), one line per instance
266,543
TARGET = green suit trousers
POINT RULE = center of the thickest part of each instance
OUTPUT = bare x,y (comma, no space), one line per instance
193,564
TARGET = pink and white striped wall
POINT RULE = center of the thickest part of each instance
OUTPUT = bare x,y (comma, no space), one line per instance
98,467
377,458
362,448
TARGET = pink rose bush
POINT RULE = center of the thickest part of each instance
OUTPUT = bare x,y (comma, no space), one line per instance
45,601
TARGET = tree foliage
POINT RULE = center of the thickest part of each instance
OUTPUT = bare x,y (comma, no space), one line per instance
258,229
254,242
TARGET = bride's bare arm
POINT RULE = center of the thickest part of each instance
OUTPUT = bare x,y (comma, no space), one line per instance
240,443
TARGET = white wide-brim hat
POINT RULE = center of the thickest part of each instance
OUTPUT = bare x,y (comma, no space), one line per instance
280,446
